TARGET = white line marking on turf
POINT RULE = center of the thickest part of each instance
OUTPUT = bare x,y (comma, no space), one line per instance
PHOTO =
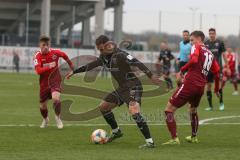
202,122
101,124
217,118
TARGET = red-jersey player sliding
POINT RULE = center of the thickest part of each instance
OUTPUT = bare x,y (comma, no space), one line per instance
229,70
46,65
201,62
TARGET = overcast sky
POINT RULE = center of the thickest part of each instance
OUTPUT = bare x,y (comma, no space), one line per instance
143,15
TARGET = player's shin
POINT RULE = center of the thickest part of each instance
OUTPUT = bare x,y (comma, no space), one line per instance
44,112
169,82
171,124
57,107
221,96
223,83
209,98
110,119
194,123
142,125
235,85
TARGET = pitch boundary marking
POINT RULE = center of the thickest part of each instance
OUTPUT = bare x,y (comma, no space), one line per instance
201,122
217,118
102,124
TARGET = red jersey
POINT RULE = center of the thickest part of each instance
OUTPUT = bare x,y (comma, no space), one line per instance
231,60
201,62
44,65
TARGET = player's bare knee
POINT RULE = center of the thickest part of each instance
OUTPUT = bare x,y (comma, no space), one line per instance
134,107
170,108
105,107
193,109
43,105
209,87
56,99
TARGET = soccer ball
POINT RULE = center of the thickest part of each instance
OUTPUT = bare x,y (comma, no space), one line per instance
99,136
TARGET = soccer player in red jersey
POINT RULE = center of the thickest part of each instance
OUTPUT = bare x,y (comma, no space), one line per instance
229,70
46,65
201,62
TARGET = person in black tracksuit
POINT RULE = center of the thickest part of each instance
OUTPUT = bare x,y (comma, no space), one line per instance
164,60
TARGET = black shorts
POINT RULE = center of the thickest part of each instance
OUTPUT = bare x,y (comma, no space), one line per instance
125,95
181,64
210,77
166,70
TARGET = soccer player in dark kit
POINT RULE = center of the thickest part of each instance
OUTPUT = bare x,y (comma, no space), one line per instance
129,89
164,61
201,62
217,47
46,65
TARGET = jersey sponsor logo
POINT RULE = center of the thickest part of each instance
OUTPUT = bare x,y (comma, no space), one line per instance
129,57
54,56
217,44
35,62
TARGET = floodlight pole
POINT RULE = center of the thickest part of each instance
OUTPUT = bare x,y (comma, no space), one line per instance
194,10
73,23
201,21
160,22
27,25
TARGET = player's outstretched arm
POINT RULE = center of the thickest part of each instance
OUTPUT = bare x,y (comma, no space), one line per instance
133,61
66,58
39,69
85,68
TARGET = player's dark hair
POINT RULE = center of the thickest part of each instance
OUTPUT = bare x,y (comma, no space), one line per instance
198,34
212,30
186,31
44,39
102,39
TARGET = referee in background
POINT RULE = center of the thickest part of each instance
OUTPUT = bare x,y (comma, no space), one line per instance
184,53
185,49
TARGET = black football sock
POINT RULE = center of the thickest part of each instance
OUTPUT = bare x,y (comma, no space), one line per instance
142,125
209,98
169,82
110,119
221,96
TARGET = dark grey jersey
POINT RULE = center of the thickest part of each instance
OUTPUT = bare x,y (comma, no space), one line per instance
217,48
119,64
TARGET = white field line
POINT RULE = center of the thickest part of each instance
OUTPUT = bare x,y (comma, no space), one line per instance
128,124
217,118
201,122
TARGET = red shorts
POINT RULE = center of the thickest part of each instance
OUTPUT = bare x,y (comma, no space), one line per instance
187,93
232,75
46,92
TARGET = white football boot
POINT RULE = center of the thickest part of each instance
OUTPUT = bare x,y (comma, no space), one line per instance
235,93
59,122
44,123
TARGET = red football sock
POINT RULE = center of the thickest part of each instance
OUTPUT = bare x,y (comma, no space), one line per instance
171,124
44,113
194,123
57,107
235,85
223,83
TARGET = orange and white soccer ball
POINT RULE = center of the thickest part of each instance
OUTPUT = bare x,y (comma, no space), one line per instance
99,136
